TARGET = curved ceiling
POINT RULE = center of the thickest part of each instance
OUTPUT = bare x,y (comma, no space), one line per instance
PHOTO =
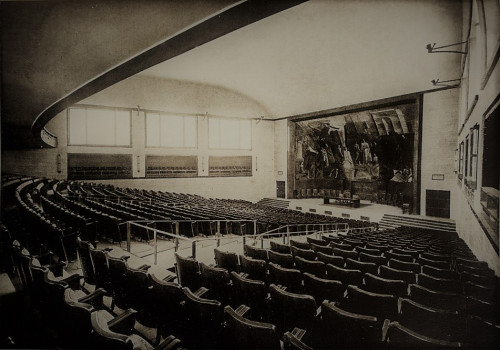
317,55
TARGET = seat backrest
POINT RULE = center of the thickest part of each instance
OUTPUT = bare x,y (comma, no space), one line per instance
481,334
292,342
105,336
346,276
330,259
188,272
166,298
343,329
249,292
291,310
400,337
400,257
316,241
440,273
381,285
254,252
101,269
322,248
284,260
227,260
317,268
83,249
436,257
371,251
439,264
247,334
255,268
376,259
432,322
394,274
323,289
216,280
363,302
345,253
362,266
280,248
301,245
291,278
308,254
405,266
432,298
438,284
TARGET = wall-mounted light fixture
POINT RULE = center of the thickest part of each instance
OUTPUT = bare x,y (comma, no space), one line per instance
258,120
431,48
437,82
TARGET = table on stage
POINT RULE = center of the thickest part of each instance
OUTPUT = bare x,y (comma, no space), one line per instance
352,202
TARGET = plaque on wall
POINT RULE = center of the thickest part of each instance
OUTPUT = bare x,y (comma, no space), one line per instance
96,166
171,166
230,166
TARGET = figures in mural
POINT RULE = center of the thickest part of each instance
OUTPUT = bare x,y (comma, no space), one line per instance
365,149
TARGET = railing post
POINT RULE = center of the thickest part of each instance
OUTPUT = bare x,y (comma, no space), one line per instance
176,244
128,236
155,246
255,228
307,229
218,233
287,235
193,249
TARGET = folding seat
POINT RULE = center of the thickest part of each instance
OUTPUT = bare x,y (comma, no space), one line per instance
166,299
137,286
345,253
434,263
395,274
342,329
204,315
317,268
254,252
346,276
332,239
304,253
101,269
320,248
480,292
255,269
436,257
290,310
400,257
323,289
342,246
481,334
303,193
291,278
308,193
83,249
438,284
486,272
249,292
431,322
440,273
489,312
381,247
490,282
353,242
301,245
188,272
284,260
472,263
280,248
227,260
414,253
432,298
316,241
293,340
104,323
330,259
360,301
119,283
381,285
217,281
398,337
242,333
405,266
364,267
370,251
376,259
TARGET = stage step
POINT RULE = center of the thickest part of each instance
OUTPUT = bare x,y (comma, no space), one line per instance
274,202
394,221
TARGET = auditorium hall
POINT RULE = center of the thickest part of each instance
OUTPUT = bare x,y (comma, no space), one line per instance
250,174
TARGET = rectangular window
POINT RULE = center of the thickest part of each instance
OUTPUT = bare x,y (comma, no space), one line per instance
170,131
98,127
460,159
230,133
466,156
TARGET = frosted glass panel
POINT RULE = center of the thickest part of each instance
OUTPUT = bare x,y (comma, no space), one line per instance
245,134
229,134
122,128
153,130
172,131
214,135
77,126
100,127
190,132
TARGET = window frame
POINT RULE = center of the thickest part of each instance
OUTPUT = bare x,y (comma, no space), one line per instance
163,114
239,120
101,108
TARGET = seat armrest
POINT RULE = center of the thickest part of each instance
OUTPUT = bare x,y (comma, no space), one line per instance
107,249
144,267
385,328
169,278
200,292
168,343
124,323
57,269
243,274
124,257
73,281
95,298
299,333
242,310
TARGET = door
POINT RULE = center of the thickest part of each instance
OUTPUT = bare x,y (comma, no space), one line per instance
280,189
437,203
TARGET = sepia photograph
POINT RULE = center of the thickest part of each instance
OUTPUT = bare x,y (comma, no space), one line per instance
250,174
